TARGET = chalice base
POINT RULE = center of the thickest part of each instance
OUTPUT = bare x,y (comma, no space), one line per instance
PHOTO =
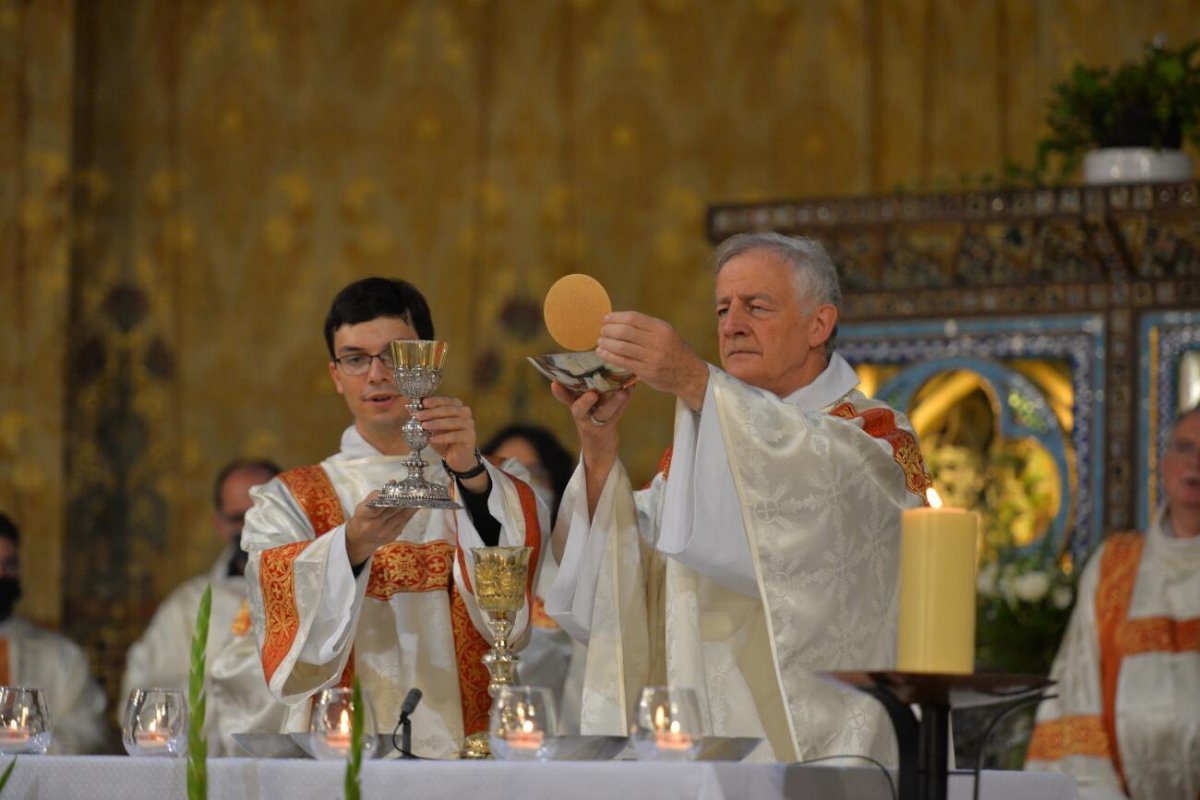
476,747
414,493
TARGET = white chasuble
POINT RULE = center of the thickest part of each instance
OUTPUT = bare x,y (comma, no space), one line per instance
408,619
766,553
1126,721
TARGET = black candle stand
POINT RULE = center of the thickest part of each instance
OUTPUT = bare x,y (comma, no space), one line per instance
924,743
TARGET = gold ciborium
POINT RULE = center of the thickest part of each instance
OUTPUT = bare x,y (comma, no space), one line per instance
417,369
500,577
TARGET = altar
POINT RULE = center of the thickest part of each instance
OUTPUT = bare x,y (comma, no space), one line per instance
124,778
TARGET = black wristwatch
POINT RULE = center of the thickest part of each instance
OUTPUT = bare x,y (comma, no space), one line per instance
473,472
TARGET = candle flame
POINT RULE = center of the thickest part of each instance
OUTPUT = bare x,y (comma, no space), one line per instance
933,498
660,718
344,722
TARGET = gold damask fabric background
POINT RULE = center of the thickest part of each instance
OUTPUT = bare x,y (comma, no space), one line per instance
186,185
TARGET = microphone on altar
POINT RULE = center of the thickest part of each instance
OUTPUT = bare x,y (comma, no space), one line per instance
405,724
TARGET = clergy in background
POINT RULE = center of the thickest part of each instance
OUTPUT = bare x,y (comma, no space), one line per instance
162,657
1126,721
766,549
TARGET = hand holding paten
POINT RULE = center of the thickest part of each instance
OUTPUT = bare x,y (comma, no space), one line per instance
371,527
595,414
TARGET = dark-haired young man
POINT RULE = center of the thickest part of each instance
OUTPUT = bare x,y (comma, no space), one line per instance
339,588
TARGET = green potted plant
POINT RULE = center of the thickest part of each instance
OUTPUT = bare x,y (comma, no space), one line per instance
1126,124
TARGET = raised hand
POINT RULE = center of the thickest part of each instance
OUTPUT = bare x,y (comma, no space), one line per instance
596,419
651,349
451,429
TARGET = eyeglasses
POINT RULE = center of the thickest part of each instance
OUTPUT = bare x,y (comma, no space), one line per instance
360,363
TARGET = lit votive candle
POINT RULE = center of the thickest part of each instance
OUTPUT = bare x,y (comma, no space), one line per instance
13,733
526,737
151,738
672,739
339,737
936,631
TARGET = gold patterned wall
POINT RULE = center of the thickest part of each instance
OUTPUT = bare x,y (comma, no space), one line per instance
187,183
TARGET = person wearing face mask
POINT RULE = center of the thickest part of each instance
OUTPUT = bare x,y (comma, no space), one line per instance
551,659
162,656
33,656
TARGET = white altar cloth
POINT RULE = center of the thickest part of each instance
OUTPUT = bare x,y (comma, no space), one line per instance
124,778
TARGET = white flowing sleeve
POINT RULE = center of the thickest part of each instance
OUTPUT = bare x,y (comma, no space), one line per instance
600,594
702,518
339,602
571,597
238,699
304,597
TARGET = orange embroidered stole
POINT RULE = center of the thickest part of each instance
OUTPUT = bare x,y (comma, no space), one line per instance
396,567
1119,637
473,677
879,423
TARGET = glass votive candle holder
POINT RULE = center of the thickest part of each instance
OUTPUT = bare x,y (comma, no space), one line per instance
156,723
24,721
668,725
329,725
522,723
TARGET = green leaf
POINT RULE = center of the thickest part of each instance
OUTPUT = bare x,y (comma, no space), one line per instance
7,774
197,771
354,760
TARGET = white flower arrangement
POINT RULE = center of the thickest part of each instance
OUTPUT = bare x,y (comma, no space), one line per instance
1023,606
1031,586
